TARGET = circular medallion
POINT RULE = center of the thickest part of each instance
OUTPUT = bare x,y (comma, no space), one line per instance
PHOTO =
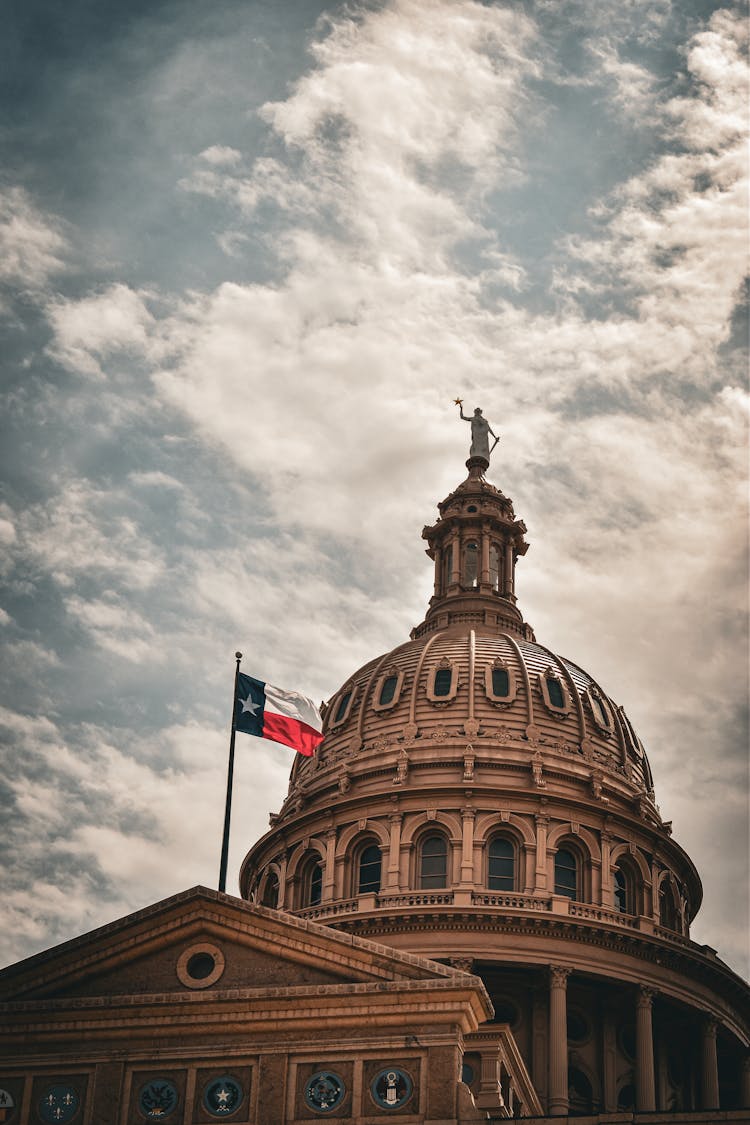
391,1088
7,1105
222,1096
59,1104
325,1091
158,1099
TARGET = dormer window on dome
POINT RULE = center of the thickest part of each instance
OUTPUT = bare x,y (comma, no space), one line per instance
388,689
600,711
342,707
442,684
500,681
554,693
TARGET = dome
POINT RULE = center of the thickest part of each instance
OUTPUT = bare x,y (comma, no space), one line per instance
481,800
522,707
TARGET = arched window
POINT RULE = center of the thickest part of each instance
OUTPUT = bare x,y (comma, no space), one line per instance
312,881
494,566
271,891
368,870
566,874
433,863
625,889
667,907
501,865
471,563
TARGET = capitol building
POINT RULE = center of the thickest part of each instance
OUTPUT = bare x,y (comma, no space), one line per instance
468,908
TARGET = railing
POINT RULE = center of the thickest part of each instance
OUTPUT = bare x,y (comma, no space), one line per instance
503,902
313,913
602,914
509,901
416,898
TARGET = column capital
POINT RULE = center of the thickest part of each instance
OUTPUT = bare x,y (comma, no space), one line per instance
645,997
558,976
710,1027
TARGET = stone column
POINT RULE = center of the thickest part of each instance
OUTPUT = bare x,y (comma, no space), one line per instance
540,881
282,885
645,1093
329,875
507,584
557,1101
709,1066
394,852
607,887
456,559
467,846
438,572
484,569
745,1083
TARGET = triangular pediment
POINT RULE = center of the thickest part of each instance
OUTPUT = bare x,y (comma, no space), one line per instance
204,941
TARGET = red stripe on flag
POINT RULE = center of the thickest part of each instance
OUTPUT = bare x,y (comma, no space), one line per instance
291,732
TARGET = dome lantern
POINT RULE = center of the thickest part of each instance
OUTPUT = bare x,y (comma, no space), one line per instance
475,545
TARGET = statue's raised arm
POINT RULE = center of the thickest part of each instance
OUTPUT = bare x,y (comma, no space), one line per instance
480,431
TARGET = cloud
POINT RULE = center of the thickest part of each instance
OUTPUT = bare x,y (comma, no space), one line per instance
104,825
275,440
110,323
32,245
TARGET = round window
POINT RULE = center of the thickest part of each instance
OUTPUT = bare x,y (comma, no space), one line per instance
158,1099
325,1091
391,1088
200,966
59,1104
222,1096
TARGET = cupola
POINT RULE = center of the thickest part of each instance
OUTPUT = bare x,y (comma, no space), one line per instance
475,545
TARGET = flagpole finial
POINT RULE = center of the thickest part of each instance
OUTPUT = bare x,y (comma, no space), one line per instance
238,655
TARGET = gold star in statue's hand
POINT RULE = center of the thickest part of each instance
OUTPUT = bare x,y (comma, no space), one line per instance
458,401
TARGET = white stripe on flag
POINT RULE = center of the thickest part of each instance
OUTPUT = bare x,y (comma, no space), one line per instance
293,705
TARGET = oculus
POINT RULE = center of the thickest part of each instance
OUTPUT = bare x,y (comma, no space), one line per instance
325,1091
222,1096
200,966
158,1099
59,1104
391,1088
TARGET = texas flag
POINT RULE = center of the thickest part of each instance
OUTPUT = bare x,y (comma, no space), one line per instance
282,716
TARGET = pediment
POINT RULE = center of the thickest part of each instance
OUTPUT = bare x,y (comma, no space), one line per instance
203,941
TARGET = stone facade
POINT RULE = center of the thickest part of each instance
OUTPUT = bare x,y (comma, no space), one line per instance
202,997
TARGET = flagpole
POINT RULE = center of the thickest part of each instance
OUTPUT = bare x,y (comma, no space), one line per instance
230,774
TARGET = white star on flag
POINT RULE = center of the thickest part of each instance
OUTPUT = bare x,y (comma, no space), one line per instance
248,705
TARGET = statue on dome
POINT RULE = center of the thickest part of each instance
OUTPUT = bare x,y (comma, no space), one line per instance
480,431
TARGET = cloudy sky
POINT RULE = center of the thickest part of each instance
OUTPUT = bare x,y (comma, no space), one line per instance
249,253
